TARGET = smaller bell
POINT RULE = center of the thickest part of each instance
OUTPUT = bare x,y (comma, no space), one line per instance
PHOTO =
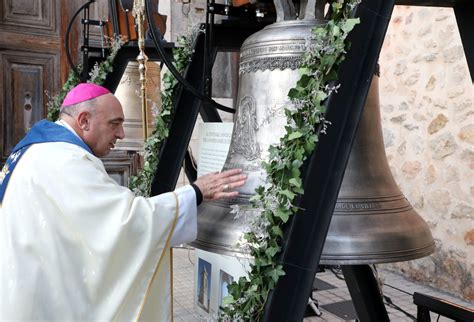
128,93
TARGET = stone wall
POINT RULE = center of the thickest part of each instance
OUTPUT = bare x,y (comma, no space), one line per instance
427,110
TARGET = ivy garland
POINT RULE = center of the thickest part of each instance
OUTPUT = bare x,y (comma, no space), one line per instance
141,183
96,76
275,201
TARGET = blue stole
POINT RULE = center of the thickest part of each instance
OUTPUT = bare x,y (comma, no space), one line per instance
42,132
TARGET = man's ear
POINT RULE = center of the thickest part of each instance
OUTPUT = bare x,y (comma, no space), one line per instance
83,120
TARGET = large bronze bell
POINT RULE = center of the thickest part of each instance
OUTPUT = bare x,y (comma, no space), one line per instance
372,223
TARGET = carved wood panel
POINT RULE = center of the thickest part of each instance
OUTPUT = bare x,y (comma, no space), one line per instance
38,16
33,59
25,77
121,165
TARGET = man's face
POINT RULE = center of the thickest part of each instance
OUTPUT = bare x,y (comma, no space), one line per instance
105,125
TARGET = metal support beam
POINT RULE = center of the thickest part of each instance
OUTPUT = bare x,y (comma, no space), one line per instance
209,113
245,29
187,108
464,16
426,304
365,293
114,16
307,230
190,166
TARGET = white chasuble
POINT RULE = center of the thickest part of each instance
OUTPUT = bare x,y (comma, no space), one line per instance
76,246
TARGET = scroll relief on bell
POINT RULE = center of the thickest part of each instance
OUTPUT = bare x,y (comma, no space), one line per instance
244,137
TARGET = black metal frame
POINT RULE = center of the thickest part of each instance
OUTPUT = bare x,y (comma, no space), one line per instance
464,12
186,111
365,293
426,304
300,256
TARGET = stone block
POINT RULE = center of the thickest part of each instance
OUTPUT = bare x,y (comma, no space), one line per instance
439,201
437,123
442,146
463,211
411,169
466,133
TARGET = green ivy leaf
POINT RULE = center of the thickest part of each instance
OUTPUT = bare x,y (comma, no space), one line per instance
229,299
253,288
294,135
292,94
277,231
297,163
271,251
282,213
305,71
349,24
304,82
296,182
276,273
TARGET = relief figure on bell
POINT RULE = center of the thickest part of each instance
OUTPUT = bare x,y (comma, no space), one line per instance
244,140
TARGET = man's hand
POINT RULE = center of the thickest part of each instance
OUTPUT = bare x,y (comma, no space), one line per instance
220,185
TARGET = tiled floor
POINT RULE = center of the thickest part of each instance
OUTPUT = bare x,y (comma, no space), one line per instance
332,292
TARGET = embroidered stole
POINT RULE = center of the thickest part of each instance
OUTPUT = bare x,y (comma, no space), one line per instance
42,132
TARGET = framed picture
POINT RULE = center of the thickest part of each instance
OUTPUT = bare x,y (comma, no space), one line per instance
204,284
224,280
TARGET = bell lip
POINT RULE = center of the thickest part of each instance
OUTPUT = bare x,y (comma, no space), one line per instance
380,258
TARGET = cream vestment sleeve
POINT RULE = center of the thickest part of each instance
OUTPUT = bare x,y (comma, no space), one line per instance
77,246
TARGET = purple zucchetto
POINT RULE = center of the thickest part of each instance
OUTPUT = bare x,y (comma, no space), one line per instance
83,92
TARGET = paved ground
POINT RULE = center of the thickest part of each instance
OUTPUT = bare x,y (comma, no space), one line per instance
332,295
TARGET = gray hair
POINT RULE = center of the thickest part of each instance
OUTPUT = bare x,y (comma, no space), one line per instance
75,109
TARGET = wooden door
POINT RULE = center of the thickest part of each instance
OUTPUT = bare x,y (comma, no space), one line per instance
32,62
33,65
